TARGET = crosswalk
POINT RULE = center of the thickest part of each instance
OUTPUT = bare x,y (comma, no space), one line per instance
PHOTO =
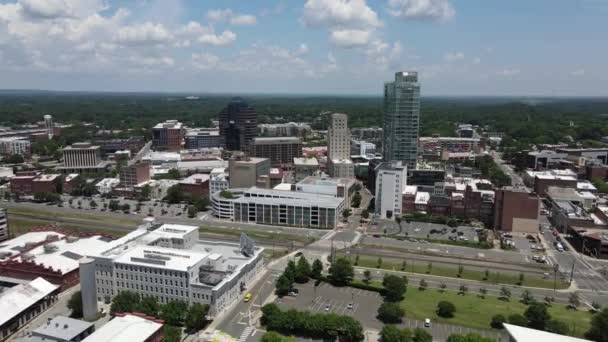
245,334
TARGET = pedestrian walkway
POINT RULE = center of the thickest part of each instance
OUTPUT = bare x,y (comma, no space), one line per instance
245,334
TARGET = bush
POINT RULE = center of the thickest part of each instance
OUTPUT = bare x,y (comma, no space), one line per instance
557,327
394,287
75,304
517,319
537,316
497,321
390,313
445,309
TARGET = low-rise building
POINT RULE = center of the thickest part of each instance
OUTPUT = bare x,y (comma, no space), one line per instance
391,179
336,187
544,159
168,136
516,210
47,253
196,185
244,171
60,329
218,180
107,185
168,262
82,158
46,183
22,184
15,145
341,168
70,182
203,138
518,333
305,167
449,144
134,173
362,148
542,182
129,327
22,303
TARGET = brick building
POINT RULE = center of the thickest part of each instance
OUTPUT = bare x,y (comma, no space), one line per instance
196,185
516,210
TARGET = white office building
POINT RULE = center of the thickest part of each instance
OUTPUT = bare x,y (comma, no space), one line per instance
170,263
106,185
338,147
391,179
15,145
3,225
218,180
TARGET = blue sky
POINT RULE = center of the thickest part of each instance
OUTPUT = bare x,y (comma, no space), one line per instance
459,47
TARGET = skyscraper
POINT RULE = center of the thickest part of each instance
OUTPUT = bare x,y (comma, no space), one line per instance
238,125
402,118
338,147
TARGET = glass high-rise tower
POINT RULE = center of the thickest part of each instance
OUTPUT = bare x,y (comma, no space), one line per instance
402,118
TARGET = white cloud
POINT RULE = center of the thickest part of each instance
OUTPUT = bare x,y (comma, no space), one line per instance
49,9
204,61
152,61
440,10
340,14
350,38
142,34
303,49
508,72
454,56
578,72
225,38
227,14
476,60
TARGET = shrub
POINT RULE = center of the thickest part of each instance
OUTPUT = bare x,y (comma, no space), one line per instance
497,321
390,312
445,309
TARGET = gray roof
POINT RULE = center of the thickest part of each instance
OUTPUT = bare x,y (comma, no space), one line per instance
62,327
267,196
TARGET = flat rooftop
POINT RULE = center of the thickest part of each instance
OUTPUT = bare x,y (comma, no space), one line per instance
159,257
61,327
326,181
82,146
170,124
268,196
196,178
128,328
306,161
18,298
276,140
522,334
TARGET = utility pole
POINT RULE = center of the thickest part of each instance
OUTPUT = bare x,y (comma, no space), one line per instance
555,269
572,271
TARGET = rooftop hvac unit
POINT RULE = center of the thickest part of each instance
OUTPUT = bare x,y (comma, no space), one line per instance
52,237
71,238
50,248
27,257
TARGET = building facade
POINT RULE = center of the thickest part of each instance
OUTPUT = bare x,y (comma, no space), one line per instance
238,125
49,125
134,173
280,150
305,167
391,180
516,210
338,147
244,171
203,138
3,225
15,145
402,118
218,180
168,136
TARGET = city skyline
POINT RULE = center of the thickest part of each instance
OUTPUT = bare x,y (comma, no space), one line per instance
308,47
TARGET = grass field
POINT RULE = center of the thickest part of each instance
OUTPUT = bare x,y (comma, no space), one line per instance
258,234
57,215
495,277
19,225
476,312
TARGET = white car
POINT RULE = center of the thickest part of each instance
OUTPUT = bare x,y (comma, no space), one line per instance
427,322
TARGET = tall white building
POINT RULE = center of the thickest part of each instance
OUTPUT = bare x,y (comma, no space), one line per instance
218,180
402,118
338,147
170,263
391,179
15,145
49,125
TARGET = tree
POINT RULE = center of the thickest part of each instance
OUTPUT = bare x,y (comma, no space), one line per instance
357,260
283,285
172,334
390,313
390,333
145,192
483,292
445,309
557,327
346,213
341,272
196,317
379,263
124,301
403,265
486,274
505,293
394,287
149,306
521,279
421,335
365,213
75,305
429,267
272,336
15,159
192,211
367,277
517,319
463,289
356,201
599,327
574,300
442,287
174,194
302,270
174,312
537,316
126,207
92,204
527,297
460,270
201,203
423,285
317,269
114,205
497,321
470,337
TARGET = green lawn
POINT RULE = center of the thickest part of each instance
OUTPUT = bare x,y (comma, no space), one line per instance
51,215
258,234
496,277
476,312
19,226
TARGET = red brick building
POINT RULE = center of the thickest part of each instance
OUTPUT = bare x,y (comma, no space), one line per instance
516,210
22,184
543,182
70,182
46,183
197,185
134,174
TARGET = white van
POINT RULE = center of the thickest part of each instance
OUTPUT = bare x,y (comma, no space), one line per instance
559,247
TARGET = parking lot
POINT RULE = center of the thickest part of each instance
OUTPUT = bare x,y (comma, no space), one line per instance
424,230
361,305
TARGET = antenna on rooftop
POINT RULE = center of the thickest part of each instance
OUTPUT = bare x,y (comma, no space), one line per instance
247,245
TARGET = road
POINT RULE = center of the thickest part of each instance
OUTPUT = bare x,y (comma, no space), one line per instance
516,180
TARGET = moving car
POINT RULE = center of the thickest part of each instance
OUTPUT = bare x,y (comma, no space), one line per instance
327,307
247,297
427,322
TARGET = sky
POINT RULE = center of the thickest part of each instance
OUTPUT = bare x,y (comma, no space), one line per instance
350,47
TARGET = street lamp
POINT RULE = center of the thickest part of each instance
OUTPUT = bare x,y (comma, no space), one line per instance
555,269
